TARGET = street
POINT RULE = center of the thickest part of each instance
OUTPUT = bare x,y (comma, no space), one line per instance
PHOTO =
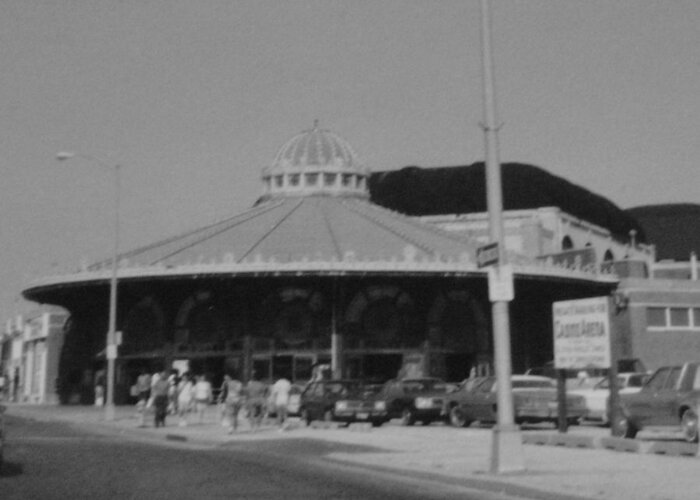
52,460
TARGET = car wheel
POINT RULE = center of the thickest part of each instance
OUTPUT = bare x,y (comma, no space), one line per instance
407,417
689,424
625,428
377,423
426,422
457,418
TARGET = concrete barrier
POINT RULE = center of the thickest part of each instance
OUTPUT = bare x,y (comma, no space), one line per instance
572,441
671,448
536,438
321,424
620,444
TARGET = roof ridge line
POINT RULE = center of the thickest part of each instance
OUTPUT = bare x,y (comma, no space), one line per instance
248,214
275,226
401,236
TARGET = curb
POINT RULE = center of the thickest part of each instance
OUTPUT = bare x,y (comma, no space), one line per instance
617,444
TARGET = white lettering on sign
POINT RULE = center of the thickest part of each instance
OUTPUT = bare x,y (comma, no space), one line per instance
581,333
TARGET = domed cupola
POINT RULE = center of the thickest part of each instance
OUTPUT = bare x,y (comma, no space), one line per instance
314,162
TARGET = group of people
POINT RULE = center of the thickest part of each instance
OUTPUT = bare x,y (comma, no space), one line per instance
171,393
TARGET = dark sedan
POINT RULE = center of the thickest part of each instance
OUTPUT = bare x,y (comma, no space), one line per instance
669,400
318,401
361,405
414,400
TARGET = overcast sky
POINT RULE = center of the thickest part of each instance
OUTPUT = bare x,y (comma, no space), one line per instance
194,98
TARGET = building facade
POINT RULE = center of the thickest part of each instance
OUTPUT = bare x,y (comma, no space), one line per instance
32,345
315,273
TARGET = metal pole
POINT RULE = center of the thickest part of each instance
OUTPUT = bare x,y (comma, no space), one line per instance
111,350
506,449
110,347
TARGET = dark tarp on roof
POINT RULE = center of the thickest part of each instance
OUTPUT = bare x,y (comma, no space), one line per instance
462,189
674,228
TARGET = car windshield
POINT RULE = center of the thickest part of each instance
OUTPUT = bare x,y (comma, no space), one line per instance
532,384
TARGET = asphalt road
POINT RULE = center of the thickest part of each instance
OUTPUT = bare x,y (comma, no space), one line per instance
53,460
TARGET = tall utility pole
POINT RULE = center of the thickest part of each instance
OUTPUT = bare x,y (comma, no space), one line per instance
111,341
506,444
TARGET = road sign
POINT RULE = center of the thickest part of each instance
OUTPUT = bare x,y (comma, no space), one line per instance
581,333
487,255
501,284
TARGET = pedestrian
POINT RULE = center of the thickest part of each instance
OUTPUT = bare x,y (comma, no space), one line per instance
100,388
160,399
280,396
143,391
173,381
233,401
202,396
185,397
256,393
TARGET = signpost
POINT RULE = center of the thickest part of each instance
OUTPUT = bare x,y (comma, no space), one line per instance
582,340
582,334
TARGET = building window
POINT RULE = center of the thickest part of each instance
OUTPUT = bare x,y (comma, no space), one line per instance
347,179
278,181
311,179
329,179
294,180
673,318
656,316
680,317
567,244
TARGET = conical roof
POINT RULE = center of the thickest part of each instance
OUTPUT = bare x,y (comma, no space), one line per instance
308,229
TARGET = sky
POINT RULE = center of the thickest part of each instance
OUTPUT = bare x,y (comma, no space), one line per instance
193,98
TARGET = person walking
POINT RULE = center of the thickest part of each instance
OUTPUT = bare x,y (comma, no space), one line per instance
202,396
160,399
233,401
143,390
185,397
280,396
256,393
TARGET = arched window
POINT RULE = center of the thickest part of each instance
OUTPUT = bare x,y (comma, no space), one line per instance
608,256
567,244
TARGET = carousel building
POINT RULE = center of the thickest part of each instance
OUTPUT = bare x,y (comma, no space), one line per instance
314,273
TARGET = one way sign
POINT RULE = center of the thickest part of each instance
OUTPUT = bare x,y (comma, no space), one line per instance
487,255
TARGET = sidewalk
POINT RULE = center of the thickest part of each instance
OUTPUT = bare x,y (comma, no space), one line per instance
461,456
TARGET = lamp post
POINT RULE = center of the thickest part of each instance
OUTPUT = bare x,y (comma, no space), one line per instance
506,445
111,347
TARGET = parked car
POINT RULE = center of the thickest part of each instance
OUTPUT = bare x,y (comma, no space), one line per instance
319,398
669,400
361,405
455,397
597,397
534,400
414,400
588,377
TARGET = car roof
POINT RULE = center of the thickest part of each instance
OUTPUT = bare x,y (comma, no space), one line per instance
520,378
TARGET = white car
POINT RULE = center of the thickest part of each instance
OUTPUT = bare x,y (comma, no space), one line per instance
598,395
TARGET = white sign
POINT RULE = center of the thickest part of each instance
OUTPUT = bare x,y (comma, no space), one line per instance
111,351
581,333
501,284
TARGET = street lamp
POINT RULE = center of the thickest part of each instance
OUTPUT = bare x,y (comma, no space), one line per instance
506,445
111,347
